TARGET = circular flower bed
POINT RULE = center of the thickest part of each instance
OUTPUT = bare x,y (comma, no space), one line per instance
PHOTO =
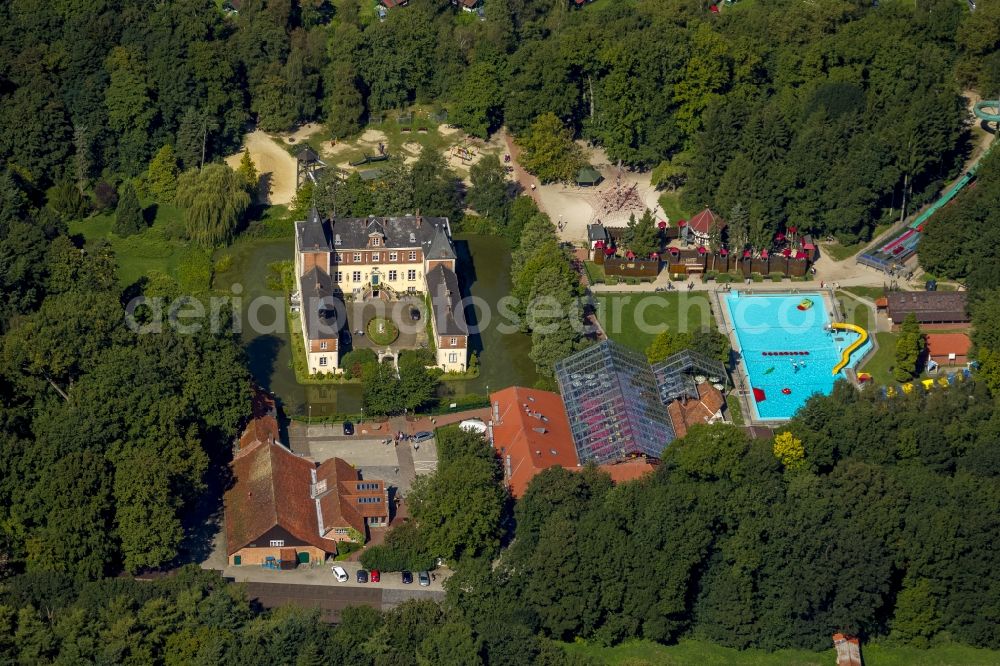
381,331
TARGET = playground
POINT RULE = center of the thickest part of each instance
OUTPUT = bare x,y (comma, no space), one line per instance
275,166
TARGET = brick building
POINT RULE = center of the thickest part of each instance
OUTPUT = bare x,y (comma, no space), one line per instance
286,507
376,258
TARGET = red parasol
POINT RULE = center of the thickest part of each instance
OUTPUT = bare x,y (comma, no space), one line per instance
599,244
801,255
702,250
779,237
682,223
609,251
663,224
630,255
787,252
792,230
746,254
763,254
723,252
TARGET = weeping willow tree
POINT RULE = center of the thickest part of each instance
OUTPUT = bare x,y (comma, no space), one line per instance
214,201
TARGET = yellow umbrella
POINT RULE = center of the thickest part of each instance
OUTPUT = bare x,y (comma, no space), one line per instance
928,384
890,391
943,382
907,388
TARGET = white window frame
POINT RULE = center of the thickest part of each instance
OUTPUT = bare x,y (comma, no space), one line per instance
322,346
339,276
356,276
277,543
393,276
357,257
340,258
376,241
393,256
411,275
413,255
376,256
453,358
453,341
322,361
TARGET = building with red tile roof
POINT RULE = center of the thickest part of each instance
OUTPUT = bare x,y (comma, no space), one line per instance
706,409
948,348
530,433
629,470
283,506
701,225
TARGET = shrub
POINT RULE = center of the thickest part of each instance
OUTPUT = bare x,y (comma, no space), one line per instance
105,196
777,277
403,549
757,277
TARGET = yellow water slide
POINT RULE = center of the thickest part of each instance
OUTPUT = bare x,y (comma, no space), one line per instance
862,338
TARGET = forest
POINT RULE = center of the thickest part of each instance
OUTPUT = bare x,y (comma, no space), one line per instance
829,116
866,515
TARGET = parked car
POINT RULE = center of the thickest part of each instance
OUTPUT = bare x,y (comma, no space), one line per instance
340,574
362,576
422,436
407,577
376,577
425,578
415,314
348,428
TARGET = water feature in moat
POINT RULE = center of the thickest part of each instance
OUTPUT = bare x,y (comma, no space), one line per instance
484,264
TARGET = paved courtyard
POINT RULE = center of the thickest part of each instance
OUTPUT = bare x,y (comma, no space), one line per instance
412,334
368,451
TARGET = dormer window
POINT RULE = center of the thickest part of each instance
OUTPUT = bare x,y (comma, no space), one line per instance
413,237
336,239
376,241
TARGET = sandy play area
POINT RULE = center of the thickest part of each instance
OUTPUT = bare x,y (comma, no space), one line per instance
275,166
576,207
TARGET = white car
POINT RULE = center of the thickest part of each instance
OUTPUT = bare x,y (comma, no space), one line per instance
340,574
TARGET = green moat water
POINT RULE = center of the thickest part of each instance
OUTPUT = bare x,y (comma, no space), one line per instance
484,267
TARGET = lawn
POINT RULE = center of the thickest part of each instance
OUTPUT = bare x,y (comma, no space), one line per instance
871,293
672,207
856,312
595,272
160,248
735,409
881,363
635,319
701,653
839,252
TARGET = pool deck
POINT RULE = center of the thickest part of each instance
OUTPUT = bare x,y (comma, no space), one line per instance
741,377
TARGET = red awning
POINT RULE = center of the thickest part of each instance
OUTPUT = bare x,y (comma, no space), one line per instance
763,254
746,254
787,252
702,250
801,255
663,224
630,255
599,244
808,246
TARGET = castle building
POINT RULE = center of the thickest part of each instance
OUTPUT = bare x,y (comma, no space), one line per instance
381,258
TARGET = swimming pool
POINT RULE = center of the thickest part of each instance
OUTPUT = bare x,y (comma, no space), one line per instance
789,354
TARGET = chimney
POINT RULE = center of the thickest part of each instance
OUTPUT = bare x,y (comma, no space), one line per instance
419,219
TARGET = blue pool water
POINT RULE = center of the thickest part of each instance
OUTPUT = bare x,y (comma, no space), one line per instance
773,323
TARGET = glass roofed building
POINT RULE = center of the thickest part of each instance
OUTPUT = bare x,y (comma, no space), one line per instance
613,404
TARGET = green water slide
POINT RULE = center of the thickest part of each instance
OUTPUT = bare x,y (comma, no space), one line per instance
980,110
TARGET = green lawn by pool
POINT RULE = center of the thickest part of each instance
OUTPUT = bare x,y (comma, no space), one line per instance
635,319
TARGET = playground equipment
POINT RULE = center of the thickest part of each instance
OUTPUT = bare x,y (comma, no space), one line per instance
862,339
619,197
465,153
904,244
